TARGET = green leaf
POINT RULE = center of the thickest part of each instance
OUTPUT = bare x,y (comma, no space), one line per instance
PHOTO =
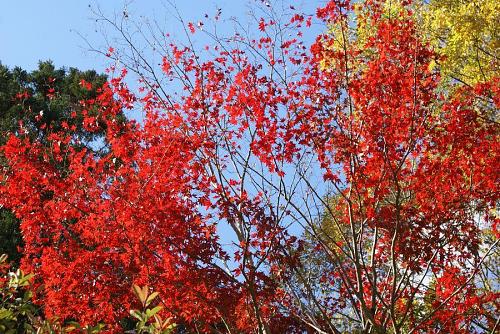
153,311
141,293
136,314
150,298
6,314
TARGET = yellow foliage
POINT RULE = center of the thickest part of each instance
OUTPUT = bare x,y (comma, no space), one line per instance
465,33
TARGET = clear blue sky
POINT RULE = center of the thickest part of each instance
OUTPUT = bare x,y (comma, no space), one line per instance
32,30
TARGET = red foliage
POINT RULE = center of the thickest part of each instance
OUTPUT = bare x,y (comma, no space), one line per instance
415,173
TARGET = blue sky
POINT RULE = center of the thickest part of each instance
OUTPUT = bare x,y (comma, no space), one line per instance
37,30
33,30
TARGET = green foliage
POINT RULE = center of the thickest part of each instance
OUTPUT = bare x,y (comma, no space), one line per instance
16,308
10,236
49,92
148,320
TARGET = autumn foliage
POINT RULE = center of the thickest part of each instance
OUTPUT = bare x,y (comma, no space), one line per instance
263,133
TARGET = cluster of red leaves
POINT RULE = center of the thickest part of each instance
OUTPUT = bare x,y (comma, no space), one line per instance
93,226
422,166
144,212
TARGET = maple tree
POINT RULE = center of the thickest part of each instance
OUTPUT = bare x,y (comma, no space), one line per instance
267,134
41,101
